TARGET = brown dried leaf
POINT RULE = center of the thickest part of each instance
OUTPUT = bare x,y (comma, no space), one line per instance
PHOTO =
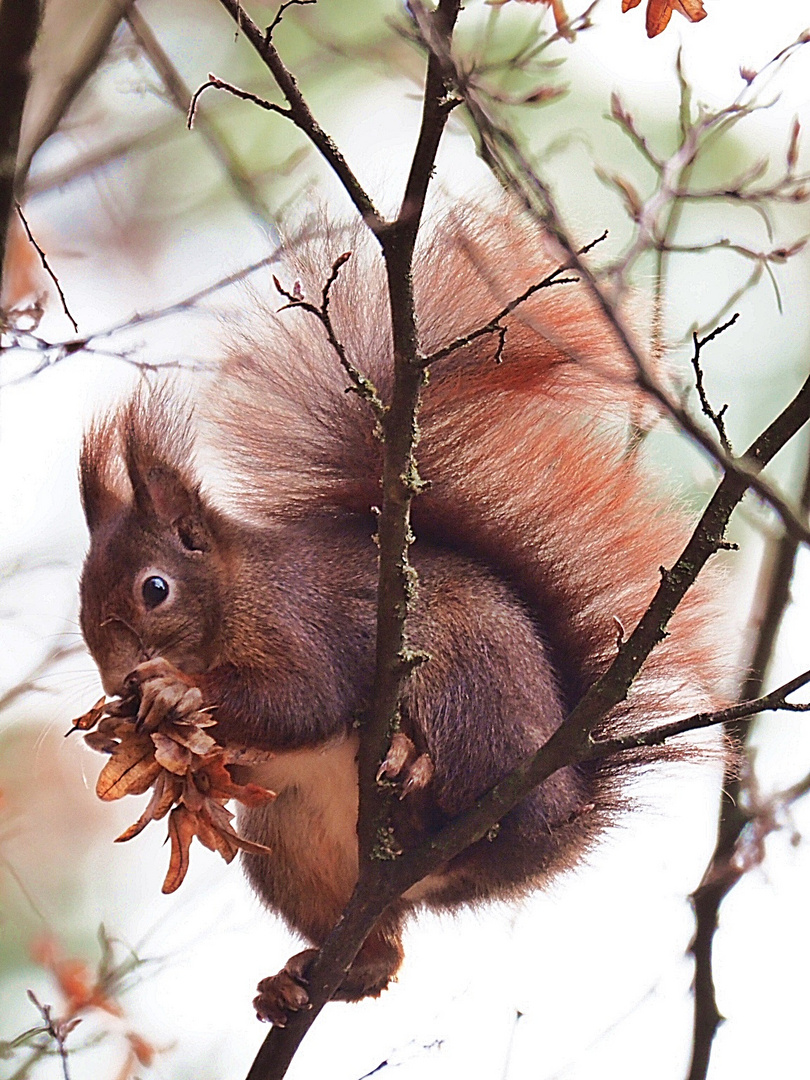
91,717
166,791
220,818
101,741
215,840
191,797
190,736
182,829
170,754
131,770
245,755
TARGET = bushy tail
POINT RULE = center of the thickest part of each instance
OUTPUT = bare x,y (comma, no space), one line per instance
523,444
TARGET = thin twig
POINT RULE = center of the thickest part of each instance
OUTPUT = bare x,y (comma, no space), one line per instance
510,163
715,417
47,267
30,682
494,324
55,352
244,95
773,702
361,385
302,117
57,1029
268,34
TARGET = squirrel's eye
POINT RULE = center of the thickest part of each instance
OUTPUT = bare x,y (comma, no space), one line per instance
154,591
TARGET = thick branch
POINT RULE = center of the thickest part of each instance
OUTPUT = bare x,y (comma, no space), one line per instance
400,480
19,23
379,881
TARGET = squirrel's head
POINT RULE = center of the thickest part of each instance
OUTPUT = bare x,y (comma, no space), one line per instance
152,579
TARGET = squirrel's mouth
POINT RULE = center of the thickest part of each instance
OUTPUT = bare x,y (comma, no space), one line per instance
117,650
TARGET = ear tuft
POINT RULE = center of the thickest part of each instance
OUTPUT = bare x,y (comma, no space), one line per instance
158,448
101,475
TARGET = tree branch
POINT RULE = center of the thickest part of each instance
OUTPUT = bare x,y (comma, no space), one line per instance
301,115
95,45
19,24
46,266
770,603
378,885
495,324
572,742
510,164
360,384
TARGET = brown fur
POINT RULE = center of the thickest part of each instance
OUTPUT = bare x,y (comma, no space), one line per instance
538,532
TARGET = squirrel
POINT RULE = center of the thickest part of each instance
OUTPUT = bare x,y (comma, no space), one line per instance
538,539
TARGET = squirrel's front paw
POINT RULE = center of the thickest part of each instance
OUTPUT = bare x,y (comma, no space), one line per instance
164,692
411,770
281,994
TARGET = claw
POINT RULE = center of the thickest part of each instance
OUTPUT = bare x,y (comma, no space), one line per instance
418,775
281,994
402,763
399,753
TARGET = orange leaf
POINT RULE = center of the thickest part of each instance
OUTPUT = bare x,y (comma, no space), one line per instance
560,16
131,769
659,12
143,1051
224,787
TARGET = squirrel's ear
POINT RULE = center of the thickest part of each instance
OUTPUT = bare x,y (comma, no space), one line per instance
166,498
103,487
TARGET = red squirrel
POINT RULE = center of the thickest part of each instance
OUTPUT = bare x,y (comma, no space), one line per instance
537,541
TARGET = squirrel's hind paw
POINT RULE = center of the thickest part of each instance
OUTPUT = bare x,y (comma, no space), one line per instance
281,994
410,770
